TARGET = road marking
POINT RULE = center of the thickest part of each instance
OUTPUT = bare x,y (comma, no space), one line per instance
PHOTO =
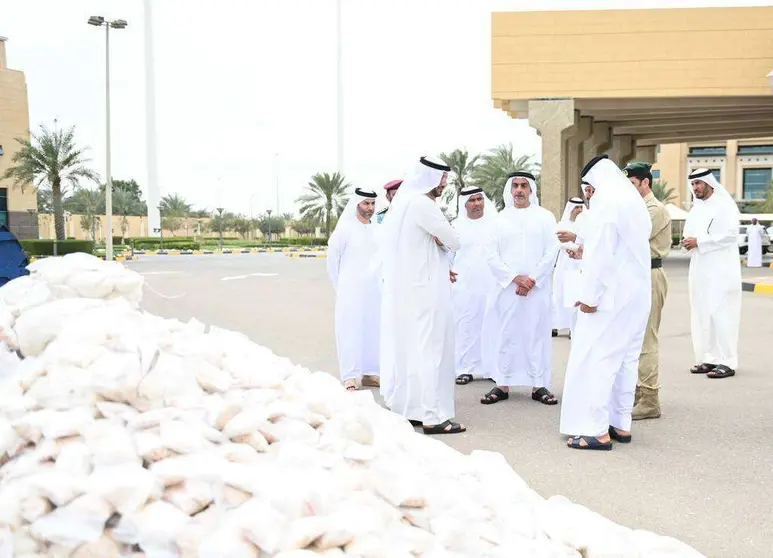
236,277
160,272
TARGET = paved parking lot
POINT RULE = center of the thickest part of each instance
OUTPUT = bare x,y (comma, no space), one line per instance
701,473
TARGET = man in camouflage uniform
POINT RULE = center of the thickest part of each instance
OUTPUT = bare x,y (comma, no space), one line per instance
647,402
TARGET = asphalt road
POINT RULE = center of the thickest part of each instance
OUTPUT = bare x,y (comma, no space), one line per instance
701,473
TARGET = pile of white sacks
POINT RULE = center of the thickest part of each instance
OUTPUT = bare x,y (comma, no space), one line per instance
125,434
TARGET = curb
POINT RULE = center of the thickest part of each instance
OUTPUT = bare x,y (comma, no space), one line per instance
225,251
758,288
115,258
764,264
302,255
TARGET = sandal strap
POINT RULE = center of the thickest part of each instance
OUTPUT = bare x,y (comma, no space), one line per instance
543,392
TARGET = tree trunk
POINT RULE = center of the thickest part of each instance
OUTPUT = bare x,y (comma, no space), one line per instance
329,210
56,194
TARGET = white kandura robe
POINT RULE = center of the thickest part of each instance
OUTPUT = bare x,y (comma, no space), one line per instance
754,250
565,279
602,371
417,341
714,280
470,294
516,331
352,267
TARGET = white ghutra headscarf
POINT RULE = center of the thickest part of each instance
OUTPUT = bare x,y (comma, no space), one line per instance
696,223
427,175
615,200
489,209
349,214
507,195
566,216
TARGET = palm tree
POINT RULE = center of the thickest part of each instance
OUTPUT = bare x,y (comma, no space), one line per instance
88,204
325,198
662,191
462,168
175,205
175,210
496,164
50,159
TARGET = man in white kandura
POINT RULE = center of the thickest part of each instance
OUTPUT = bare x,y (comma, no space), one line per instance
473,281
711,236
614,305
754,233
521,255
564,276
417,324
352,267
572,241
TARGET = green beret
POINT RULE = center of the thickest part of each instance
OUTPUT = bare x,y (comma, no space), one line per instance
637,169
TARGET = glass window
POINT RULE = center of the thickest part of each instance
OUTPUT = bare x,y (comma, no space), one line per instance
755,183
755,149
4,206
713,150
655,174
717,174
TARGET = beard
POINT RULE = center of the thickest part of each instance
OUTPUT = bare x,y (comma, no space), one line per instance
436,192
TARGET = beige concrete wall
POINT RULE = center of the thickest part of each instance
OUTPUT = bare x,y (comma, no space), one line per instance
136,227
14,123
672,162
131,226
632,53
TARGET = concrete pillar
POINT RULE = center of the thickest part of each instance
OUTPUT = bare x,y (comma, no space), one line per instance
622,148
645,153
575,155
599,141
732,177
554,121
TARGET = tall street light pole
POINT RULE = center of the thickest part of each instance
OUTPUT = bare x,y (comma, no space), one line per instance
154,219
99,21
220,213
269,225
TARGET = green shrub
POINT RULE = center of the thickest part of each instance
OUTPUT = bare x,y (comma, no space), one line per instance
171,245
46,247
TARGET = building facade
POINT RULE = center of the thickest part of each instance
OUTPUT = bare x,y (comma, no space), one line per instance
744,167
623,82
18,207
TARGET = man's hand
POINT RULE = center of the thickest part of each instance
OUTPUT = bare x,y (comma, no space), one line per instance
575,254
521,291
453,275
437,241
566,236
584,308
524,281
690,243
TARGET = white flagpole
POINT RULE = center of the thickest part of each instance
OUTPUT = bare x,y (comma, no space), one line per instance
340,90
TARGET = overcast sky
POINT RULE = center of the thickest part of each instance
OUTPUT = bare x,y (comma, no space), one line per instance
239,81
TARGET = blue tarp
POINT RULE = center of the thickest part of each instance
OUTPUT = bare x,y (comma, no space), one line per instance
13,260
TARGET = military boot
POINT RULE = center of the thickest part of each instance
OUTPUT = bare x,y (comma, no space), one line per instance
647,406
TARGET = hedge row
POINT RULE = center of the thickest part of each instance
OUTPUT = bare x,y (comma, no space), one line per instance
187,243
46,247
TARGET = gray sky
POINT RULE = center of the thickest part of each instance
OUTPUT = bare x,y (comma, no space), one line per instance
241,80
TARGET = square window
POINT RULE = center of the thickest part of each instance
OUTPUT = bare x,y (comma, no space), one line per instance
756,182
713,150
